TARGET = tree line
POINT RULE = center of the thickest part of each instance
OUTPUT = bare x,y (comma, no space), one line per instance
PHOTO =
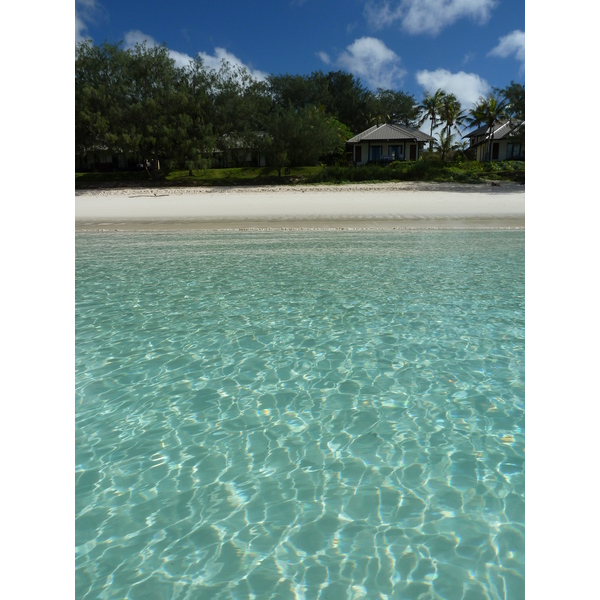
139,103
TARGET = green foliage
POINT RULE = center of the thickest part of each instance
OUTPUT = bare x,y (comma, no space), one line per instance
301,136
434,170
460,175
446,144
431,109
396,108
489,111
200,177
132,101
451,114
101,82
349,101
299,91
515,100
137,103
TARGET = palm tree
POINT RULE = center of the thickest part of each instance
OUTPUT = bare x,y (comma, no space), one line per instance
515,97
430,109
446,144
491,110
475,115
452,114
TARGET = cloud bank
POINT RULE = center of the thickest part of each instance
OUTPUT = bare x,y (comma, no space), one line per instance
426,16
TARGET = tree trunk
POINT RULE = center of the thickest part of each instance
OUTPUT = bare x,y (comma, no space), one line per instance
155,166
490,145
431,135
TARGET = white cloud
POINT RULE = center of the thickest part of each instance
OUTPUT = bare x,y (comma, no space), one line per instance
372,61
512,44
324,57
426,16
468,57
214,62
86,11
80,29
181,59
381,14
135,36
467,87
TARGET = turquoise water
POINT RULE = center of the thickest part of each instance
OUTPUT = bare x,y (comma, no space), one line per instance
300,415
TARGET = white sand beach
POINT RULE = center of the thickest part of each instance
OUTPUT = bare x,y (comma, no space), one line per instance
411,205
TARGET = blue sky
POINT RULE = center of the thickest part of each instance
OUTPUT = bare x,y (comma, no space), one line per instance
462,46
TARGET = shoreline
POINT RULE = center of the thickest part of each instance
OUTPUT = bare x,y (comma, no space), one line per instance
390,205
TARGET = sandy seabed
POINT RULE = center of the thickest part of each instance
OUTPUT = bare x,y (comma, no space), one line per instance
410,205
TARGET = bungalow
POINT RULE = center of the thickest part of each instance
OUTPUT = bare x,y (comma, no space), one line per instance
508,141
386,143
233,151
101,158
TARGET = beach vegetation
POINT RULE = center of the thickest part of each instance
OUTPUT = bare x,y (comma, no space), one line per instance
446,144
451,114
139,117
515,97
432,169
490,111
301,136
396,108
136,103
430,109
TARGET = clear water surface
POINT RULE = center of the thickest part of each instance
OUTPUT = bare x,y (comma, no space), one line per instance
325,414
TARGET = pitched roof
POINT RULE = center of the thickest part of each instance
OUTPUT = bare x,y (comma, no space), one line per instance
389,133
501,130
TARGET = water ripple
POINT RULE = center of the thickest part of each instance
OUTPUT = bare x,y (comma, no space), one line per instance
300,415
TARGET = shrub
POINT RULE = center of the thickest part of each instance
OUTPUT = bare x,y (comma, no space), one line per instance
430,156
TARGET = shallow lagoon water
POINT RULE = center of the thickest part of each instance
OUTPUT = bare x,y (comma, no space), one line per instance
326,414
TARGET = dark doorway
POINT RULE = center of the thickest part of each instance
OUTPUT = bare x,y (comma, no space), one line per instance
495,148
413,152
357,154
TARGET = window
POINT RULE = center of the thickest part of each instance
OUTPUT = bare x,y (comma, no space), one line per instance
513,150
375,152
396,152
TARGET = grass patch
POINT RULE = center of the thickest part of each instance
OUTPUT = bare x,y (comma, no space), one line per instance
237,176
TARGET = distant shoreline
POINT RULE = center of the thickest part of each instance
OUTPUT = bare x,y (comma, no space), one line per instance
390,205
